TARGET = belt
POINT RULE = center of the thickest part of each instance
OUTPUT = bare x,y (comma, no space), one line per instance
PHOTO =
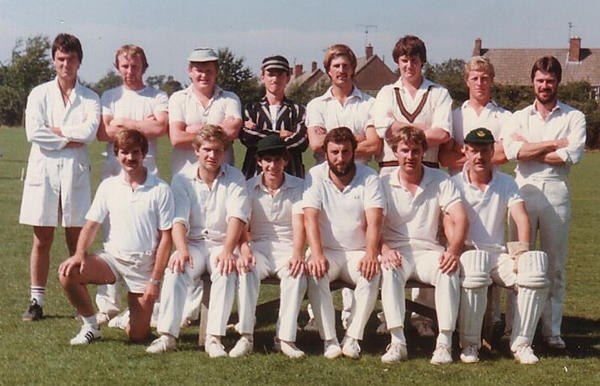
386,164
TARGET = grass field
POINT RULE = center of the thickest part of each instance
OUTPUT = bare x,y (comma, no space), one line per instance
39,353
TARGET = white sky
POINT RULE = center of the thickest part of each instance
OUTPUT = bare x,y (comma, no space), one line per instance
300,30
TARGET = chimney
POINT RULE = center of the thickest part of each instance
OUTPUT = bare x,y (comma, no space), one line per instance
477,47
574,48
313,66
369,50
297,70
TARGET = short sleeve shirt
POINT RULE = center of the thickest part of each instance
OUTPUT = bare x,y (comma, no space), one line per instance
342,220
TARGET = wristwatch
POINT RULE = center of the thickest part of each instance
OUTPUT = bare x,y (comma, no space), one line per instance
154,281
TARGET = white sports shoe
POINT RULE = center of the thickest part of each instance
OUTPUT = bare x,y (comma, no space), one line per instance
395,352
162,344
120,321
555,342
441,355
332,349
289,349
525,355
350,347
102,318
311,325
470,354
214,348
86,335
244,346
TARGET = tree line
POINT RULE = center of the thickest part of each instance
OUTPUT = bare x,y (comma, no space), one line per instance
30,64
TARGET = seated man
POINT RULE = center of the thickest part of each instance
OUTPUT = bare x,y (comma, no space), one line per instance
343,207
211,210
415,196
488,194
139,207
277,237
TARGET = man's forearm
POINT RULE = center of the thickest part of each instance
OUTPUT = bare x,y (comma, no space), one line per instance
235,226
373,233
162,255
313,235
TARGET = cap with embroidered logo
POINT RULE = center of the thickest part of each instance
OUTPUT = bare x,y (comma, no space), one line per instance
480,135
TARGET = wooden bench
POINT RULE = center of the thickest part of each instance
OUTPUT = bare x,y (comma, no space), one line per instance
335,285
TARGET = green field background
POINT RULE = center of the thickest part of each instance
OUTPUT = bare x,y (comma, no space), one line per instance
39,353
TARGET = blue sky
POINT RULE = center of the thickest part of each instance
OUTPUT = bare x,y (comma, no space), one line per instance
300,30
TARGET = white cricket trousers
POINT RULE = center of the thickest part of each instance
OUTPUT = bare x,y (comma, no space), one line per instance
271,259
342,265
549,207
421,266
175,290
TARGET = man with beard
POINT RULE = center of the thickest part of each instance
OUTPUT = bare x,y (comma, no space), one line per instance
343,209
139,208
546,139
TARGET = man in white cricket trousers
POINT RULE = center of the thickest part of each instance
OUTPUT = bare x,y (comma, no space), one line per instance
139,207
276,244
416,195
135,106
62,117
342,105
546,139
488,195
211,210
343,210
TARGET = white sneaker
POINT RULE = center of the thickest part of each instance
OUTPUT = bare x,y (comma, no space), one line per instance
350,348
525,355
120,321
102,318
162,344
289,349
395,352
243,347
470,354
86,335
332,349
214,348
311,325
555,342
441,355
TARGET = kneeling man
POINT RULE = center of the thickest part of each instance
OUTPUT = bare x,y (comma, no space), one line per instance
211,210
488,194
139,208
416,195
276,234
343,210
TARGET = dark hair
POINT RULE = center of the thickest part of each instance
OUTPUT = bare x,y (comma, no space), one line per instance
549,65
128,139
410,45
339,135
67,43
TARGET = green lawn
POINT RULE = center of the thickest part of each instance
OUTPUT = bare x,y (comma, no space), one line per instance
39,353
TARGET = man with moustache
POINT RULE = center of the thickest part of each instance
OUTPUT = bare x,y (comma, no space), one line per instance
62,117
139,208
546,139
135,106
343,210
274,114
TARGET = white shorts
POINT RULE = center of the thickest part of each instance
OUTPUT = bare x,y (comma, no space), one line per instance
135,269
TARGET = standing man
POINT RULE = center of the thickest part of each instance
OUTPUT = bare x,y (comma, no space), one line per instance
413,101
547,138
488,195
342,105
478,111
62,117
343,210
202,103
276,243
274,114
134,106
139,208
415,196
211,210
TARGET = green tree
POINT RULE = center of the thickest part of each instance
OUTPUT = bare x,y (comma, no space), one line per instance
108,81
235,76
164,83
30,65
449,74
